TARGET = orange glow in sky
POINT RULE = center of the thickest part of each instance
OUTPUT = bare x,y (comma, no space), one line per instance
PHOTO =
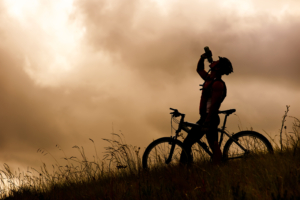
77,69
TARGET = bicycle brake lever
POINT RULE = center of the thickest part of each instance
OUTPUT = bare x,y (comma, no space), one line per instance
176,114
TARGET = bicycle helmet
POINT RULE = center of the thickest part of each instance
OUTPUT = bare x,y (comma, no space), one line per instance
225,66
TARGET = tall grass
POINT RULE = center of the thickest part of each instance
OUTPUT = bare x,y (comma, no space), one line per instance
119,175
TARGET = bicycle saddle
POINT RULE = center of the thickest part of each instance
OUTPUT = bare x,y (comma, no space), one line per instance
227,112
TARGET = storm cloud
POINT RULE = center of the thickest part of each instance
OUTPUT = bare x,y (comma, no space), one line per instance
97,66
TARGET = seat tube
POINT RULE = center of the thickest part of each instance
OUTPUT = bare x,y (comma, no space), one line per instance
225,119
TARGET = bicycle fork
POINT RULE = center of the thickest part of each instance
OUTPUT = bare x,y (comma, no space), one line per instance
168,160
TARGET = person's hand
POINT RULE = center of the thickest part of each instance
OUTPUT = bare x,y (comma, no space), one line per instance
204,56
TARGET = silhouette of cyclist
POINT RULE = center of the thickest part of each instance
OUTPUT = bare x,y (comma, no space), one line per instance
213,94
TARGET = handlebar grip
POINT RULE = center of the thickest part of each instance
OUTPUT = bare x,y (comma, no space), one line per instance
175,112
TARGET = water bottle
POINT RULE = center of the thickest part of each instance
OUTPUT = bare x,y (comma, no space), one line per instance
209,54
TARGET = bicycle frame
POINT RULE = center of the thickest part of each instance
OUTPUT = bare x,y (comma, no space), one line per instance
184,126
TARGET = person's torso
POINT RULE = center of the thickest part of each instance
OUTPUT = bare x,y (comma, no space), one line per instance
207,92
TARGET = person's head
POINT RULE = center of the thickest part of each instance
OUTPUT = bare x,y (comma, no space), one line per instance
222,66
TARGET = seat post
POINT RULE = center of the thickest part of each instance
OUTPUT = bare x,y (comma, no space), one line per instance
225,119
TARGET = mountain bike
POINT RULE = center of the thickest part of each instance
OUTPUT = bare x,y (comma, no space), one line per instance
166,151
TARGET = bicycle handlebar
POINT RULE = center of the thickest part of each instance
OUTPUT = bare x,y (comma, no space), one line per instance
176,113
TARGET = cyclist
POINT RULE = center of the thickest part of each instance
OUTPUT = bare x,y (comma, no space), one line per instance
213,93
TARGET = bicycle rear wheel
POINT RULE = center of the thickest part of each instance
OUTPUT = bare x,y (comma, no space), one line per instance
157,153
253,143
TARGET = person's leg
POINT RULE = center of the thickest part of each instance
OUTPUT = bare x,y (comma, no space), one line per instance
217,156
212,138
192,137
212,134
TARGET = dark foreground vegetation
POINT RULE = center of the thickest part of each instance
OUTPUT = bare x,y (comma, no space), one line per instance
275,176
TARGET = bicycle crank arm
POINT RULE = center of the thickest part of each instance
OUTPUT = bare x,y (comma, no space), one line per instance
205,147
247,152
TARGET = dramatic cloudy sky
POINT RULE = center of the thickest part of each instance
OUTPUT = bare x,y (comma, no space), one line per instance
78,69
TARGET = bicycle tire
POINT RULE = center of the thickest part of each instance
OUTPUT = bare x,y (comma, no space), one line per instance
158,151
253,141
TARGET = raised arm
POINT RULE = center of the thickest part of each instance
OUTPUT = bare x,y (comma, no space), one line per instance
200,68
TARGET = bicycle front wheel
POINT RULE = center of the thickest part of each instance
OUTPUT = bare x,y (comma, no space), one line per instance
246,143
158,152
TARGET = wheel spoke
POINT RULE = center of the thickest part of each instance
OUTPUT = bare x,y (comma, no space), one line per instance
158,152
253,142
